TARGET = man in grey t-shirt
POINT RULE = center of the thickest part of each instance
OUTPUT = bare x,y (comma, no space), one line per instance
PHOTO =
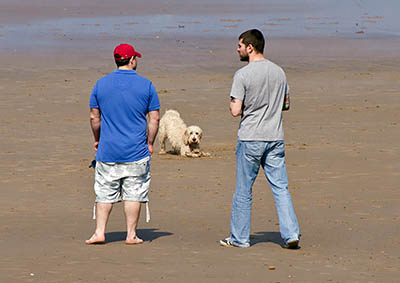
259,94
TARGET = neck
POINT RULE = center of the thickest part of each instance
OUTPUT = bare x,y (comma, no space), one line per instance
256,57
126,67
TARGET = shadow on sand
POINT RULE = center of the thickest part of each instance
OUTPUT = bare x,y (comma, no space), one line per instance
267,237
147,235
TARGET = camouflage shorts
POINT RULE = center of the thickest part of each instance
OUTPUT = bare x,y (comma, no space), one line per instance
132,179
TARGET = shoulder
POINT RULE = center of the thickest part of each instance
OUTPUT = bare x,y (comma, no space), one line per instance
275,67
105,78
243,69
143,80
241,73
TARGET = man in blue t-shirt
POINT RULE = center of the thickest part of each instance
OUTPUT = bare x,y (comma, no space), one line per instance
123,141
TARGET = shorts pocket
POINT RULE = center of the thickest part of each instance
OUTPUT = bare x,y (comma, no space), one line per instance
139,168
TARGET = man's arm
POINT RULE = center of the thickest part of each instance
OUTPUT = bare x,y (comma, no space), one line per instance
95,121
154,119
236,107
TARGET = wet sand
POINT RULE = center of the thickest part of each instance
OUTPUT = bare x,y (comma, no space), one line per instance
342,156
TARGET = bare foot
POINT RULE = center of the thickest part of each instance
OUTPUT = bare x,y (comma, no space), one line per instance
135,241
96,240
162,152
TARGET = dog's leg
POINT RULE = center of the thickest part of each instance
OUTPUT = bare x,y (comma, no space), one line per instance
185,150
205,154
162,140
193,154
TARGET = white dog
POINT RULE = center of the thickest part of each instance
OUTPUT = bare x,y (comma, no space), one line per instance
184,140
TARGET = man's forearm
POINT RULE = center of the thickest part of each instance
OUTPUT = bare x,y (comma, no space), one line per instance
95,122
95,125
154,120
153,129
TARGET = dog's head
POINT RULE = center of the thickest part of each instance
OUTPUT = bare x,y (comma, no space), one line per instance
192,135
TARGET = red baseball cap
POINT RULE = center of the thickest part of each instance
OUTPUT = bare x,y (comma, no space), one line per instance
125,51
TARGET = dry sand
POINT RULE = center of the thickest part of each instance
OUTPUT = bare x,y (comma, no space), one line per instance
342,156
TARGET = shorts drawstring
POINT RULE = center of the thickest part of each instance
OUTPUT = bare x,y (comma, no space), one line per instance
147,212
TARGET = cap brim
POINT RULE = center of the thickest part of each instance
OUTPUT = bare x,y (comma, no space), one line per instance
138,54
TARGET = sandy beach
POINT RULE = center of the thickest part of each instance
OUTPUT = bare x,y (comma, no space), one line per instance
342,147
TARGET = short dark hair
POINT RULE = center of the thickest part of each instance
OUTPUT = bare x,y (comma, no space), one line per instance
122,62
255,38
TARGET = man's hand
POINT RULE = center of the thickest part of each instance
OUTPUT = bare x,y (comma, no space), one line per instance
150,148
236,107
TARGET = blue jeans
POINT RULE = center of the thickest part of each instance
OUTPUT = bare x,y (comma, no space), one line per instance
271,156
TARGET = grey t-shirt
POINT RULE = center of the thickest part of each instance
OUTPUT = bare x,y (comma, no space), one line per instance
262,86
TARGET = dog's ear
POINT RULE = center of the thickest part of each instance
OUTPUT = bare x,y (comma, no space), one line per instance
186,137
200,133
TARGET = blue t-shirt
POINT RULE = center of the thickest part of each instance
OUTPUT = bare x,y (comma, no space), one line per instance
124,99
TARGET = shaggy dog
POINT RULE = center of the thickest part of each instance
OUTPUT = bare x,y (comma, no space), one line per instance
184,140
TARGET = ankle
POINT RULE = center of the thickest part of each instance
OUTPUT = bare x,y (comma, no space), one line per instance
131,236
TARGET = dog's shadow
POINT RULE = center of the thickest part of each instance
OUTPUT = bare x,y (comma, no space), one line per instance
267,237
172,152
148,235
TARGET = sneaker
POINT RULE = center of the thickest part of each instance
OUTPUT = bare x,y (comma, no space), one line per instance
227,243
292,245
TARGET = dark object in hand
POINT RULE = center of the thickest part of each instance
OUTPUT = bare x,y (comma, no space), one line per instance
93,164
286,103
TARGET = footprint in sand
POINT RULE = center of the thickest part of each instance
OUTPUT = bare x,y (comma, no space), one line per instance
162,91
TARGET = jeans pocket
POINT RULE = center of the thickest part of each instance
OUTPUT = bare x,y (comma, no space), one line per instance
278,150
254,149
